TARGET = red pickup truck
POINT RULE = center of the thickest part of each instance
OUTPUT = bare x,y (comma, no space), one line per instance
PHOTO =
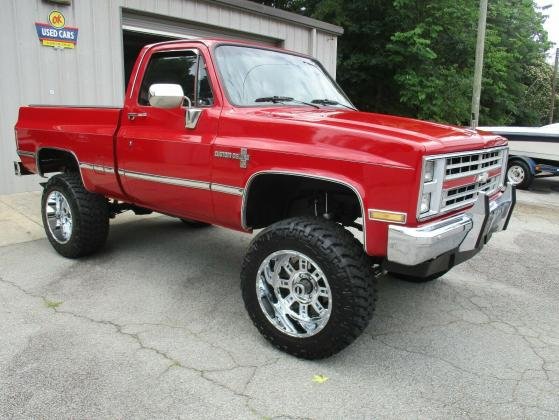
251,137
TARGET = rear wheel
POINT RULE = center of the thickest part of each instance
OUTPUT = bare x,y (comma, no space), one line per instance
76,221
519,174
308,286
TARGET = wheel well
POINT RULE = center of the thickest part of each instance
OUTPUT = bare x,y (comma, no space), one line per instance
274,197
56,160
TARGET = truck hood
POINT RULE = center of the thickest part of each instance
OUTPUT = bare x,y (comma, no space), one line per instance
434,138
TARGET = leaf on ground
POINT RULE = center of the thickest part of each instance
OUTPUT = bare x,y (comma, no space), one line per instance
52,304
320,379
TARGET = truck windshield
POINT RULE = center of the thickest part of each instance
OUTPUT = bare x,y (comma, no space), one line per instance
254,76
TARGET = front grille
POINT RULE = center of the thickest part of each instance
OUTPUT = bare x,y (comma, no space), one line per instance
471,164
459,178
467,194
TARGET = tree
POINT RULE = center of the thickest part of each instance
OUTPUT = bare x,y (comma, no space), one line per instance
416,57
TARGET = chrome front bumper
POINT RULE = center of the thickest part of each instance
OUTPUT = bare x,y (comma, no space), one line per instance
462,234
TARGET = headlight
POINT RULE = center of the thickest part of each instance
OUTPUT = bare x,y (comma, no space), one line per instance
428,171
425,204
430,189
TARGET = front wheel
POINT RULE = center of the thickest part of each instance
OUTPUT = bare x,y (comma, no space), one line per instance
308,286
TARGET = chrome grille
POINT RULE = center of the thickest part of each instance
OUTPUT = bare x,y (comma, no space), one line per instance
458,178
472,164
467,194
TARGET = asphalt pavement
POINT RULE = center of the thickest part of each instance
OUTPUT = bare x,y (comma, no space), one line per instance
154,327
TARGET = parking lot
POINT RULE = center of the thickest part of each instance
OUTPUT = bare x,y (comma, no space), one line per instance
154,326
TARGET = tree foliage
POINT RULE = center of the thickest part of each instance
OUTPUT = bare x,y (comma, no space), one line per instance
416,57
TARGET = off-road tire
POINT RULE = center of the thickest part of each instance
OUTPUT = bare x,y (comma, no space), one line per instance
194,223
90,214
347,268
414,279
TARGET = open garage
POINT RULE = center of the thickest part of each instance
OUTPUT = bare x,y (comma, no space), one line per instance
92,69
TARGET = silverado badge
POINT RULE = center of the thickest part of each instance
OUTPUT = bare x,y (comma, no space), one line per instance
243,157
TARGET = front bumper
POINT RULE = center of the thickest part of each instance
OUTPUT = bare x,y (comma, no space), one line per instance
437,246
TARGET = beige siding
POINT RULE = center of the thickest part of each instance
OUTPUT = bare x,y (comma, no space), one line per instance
92,74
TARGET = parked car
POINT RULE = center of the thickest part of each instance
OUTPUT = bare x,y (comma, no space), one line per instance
534,152
249,137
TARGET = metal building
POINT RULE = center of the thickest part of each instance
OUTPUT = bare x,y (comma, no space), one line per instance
92,70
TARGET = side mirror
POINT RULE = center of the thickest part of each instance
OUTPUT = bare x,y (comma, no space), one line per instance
165,95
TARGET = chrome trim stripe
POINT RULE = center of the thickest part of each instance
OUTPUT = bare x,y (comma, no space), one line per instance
27,154
325,178
181,182
226,189
98,168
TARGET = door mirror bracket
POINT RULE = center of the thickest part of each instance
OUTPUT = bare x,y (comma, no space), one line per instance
192,114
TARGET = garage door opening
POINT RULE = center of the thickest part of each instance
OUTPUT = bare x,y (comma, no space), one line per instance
139,29
133,42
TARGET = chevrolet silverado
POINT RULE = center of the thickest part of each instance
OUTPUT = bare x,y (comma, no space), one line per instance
249,137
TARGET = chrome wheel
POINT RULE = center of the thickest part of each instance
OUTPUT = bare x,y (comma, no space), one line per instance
294,293
59,217
516,174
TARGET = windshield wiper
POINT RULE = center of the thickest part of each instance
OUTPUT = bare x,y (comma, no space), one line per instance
330,102
280,99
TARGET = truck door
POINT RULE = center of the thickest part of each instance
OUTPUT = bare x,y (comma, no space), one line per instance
162,164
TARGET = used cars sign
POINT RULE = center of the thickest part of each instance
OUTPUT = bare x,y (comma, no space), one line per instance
55,33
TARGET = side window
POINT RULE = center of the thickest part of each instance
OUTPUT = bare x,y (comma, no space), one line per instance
204,96
178,67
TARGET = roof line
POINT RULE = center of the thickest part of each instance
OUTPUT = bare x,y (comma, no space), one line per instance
282,14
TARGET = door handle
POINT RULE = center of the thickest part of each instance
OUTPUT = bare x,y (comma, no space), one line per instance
133,115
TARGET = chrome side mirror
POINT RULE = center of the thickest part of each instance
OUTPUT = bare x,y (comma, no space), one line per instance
192,114
165,95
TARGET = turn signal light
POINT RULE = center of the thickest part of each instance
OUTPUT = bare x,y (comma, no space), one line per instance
387,216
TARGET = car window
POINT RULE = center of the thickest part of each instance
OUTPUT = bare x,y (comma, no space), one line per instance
251,74
204,96
177,67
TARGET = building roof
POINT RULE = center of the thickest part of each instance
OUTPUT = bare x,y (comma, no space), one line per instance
283,15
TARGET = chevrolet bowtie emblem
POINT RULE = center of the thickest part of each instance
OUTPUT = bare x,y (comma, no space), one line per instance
243,157
483,177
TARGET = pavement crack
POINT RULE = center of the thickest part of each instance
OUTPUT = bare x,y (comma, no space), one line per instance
440,359
173,363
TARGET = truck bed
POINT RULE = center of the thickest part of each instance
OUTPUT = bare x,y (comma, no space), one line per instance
86,132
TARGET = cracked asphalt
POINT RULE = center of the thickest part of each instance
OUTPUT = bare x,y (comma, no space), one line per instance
154,327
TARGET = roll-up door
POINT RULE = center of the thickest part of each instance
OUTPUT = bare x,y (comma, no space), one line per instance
173,28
